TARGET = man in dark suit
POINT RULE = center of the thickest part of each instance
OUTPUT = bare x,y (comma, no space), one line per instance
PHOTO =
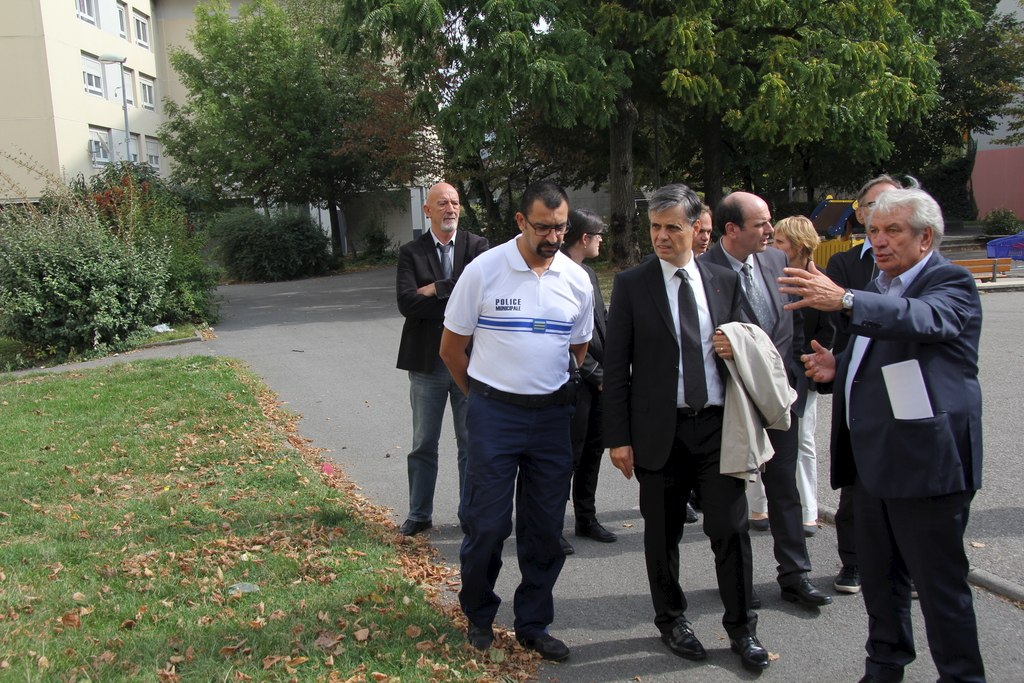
854,269
663,397
427,270
745,220
914,465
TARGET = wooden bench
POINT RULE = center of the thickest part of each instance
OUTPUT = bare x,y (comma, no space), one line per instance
987,268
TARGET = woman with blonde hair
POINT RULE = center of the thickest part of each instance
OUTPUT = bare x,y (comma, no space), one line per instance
796,237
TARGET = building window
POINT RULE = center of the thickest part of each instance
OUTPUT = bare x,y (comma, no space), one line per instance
92,76
129,86
99,146
148,88
86,10
153,153
122,18
133,149
142,30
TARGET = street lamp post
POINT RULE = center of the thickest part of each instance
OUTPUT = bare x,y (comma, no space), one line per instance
113,58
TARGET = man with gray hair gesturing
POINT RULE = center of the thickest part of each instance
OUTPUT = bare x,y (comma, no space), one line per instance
914,460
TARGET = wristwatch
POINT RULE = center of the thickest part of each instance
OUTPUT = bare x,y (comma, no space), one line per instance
848,300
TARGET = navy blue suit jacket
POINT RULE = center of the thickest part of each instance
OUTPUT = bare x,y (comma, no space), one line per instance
938,322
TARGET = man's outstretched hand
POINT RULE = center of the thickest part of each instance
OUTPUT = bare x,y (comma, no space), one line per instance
821,365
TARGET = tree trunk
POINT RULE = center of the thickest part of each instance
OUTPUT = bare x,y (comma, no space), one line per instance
808,181
332,210
265,203
622,224
712,149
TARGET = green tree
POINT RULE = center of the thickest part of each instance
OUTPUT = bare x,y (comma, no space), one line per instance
772,72
254,88
274,113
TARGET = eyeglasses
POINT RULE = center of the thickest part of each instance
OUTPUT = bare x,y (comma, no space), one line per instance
544,230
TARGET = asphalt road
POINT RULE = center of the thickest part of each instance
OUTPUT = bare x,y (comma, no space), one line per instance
327,346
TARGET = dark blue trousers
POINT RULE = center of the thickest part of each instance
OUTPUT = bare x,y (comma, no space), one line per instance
899,539
525,453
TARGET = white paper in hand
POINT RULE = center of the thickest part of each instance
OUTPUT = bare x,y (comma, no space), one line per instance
907,392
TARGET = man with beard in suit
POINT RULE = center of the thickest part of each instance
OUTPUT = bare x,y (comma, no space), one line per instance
428,268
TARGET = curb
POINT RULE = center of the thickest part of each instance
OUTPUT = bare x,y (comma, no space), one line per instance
989,287
978,577
185,340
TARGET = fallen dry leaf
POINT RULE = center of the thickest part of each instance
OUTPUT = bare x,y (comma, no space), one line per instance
413,631
772,656
271,660
71,620
362,634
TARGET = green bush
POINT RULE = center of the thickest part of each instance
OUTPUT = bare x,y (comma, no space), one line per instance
254,248
99,261
1001,222
68,284
134,201
377,243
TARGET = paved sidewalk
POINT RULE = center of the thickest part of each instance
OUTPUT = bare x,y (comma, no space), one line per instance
328,347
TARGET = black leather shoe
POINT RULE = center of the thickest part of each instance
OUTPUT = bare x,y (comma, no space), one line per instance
593,529
691,514
755,599
868,678
752,655
411,527
549,647
806,594
683,642
480,637
566,546
760,524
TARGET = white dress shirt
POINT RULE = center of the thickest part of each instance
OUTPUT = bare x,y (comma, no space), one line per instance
716,391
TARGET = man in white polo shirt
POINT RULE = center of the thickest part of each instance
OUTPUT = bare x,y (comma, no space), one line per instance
526,306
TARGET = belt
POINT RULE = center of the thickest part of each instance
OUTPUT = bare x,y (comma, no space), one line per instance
690,412
563,396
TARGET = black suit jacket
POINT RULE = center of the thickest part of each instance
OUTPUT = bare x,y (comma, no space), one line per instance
641,356
851,269
419,265
592,370
788,333
937,321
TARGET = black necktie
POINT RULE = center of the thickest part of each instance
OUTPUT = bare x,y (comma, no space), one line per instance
695,383
446,259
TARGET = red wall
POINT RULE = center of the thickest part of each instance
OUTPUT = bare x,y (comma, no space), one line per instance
998,180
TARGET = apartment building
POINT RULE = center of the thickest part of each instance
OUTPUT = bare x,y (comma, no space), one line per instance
76,70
